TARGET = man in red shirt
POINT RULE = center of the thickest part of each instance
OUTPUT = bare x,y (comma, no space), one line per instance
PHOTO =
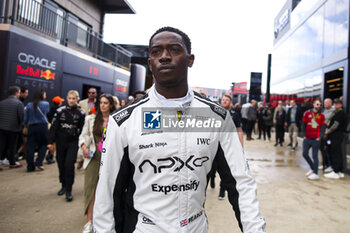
314,127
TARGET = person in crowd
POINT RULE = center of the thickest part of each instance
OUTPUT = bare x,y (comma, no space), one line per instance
65,129
203,94
244,115
293,122
116,102
279,104
328,110
279,120
334,138
122,103
88,104
22,140
139,94
261,125
237,107
287,105
314,127
136,191
90,143
251,119
268,122
35,118
11,119
226,102
56,103
131,99
23,94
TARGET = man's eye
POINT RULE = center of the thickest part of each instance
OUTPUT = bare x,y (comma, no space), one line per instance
174,50
155,51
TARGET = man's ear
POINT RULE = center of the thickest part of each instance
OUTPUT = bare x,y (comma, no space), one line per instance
190,60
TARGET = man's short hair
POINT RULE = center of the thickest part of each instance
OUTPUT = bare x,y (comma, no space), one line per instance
13,90
139,92
186,40
23,89
92,88
228,96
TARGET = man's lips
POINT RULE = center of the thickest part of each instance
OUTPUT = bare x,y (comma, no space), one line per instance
167,68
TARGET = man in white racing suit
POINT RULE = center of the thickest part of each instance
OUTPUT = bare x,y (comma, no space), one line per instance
153,179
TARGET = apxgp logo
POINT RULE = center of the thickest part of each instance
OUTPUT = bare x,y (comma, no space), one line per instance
152,119
168,163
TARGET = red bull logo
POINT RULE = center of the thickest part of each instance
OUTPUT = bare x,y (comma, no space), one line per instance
28,71
35,72
47,74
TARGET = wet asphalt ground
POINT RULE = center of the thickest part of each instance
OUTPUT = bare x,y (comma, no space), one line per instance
288,201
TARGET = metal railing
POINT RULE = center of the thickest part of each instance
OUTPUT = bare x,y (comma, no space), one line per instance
60,27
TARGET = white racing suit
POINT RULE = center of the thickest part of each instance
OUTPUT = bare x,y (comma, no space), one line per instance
156,182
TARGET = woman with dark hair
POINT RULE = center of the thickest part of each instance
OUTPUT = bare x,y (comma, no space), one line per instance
36,121
90,144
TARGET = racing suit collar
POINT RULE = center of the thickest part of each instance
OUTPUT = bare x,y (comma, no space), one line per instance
72,107
161,101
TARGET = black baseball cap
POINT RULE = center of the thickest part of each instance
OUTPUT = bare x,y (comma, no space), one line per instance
337,101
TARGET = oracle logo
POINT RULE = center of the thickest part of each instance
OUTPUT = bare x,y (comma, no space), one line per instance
36,61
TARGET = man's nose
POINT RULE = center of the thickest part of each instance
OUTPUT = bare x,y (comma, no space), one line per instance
165,56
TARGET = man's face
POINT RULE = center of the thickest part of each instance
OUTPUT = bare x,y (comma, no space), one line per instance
317,105
327,103
18,94
92,93
226,102
24,94
169,59
280,103
293,104
338,105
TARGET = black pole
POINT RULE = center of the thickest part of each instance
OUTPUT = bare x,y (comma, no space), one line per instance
268,79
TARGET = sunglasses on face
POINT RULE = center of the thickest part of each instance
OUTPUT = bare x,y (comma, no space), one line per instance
91,92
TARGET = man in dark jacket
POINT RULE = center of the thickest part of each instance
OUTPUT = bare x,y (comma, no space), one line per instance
334,139
293,122
252,113
11,119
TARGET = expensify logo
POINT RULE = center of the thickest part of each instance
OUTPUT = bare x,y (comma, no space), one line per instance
193,185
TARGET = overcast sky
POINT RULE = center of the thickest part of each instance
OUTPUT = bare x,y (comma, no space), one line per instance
229,38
